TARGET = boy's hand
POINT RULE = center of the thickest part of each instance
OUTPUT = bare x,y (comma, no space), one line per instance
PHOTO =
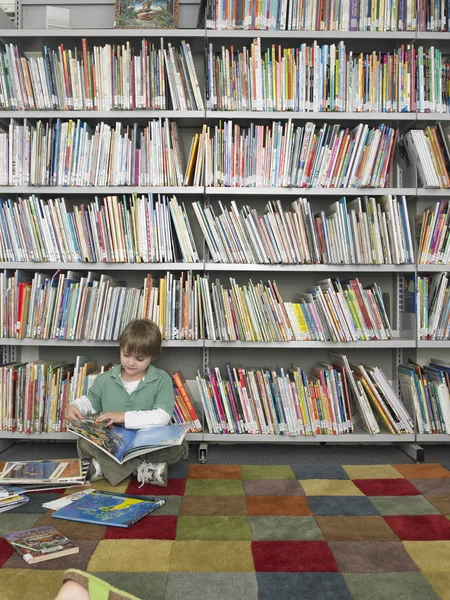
112,417
73,413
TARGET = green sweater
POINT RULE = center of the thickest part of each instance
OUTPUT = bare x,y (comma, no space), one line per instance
107,393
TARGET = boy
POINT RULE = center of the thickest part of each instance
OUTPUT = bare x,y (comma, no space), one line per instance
134,394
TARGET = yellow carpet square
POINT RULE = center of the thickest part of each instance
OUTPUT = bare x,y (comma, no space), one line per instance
371,472
330,487
233,557
430,557
105,486
131,556
17,584
440,582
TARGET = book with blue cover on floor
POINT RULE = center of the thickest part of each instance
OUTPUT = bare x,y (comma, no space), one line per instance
109,508
123,444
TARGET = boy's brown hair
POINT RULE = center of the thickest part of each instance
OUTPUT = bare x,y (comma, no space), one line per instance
141,338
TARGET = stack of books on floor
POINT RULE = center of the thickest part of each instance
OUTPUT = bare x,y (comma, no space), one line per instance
366,230
130,229
38,475
332,400
326,78
426,392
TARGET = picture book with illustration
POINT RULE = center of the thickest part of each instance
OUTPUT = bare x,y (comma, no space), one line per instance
123,444
109,508
42,471
41,543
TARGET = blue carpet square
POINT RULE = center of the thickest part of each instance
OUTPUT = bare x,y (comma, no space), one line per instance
302,586
34,506
351,506
178,470
319,472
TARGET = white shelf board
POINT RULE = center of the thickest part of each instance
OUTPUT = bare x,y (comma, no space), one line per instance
102,114
312,35
84,266
109,33
61,436
433,268
341,346
350,438
222,267
307,268
93,344
106,190
425,193
433,344
311,116
433,438
279,191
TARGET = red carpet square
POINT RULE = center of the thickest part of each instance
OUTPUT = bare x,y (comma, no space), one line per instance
278,506
6,552
386,487
175,487
148,528
293,556
214,472
423,471
420,527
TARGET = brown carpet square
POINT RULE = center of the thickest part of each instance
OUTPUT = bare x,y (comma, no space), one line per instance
273,487
423,471
372,557
72,529
289,506
369,528
214,472
432,487
442,503
229,506
73,561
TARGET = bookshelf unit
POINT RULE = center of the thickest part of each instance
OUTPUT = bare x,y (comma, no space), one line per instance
203,352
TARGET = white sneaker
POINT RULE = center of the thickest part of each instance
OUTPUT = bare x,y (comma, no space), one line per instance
96,471
155,473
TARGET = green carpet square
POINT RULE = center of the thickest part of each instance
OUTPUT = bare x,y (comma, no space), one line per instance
131,556
387,586
16,522
137,584
217,586
403,505
267,472
171,507
285,528
213,528
205,556
20,584
214,487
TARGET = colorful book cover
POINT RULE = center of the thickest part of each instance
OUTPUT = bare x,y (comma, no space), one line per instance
108,508
32,471
122,444
41,543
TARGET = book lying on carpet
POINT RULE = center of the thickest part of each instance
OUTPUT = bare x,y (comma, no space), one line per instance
12,501
124,444
66,500
60,485
41,543
109,508
42,471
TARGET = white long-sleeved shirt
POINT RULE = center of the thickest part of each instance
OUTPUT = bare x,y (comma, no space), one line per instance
134,419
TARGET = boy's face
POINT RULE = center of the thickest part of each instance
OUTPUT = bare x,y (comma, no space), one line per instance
134,366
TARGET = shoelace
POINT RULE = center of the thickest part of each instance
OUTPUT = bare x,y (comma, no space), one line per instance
145,473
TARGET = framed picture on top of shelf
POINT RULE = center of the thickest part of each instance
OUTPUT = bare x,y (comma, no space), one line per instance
146,14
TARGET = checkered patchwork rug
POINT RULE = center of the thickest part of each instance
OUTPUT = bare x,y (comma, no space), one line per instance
226,532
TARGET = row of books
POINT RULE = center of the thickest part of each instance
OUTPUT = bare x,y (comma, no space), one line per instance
433,307
425,390
97,307
332,400
433,234
327,78
330,15
35,395
429,151
71,153
363,231
108,77
132,229
285,155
